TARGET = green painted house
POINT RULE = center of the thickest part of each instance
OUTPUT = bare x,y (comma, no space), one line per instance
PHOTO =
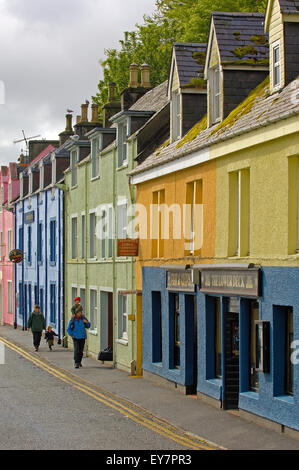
99,210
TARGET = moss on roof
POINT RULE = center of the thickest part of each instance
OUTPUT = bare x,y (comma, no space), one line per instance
244,108
259,39
252,61
200,57
193,133
163,146
245,50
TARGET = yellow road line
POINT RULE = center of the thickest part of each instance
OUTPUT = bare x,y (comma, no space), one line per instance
193,443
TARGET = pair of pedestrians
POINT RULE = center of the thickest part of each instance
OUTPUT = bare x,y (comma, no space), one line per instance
37,323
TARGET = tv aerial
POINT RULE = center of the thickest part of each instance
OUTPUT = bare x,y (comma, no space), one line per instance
26,139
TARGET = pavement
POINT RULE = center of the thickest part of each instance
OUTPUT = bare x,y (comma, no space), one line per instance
188,414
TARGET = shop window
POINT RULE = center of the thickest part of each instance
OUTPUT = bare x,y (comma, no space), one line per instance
157,224
123,317
253,374
9,297
239,213
218,339
157,327
289,338
175,327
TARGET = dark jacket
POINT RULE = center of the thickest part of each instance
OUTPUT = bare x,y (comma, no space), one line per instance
49,335
36,322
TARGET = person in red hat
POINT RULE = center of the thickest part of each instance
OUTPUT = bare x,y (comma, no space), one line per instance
77,307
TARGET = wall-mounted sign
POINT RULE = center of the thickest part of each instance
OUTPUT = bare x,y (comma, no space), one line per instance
245,282
29,217
16,256
127,247
180,281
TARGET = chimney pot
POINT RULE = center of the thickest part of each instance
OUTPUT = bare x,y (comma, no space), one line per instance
133,76
145,76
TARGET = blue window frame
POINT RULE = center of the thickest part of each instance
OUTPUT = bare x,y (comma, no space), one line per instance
53,303
20,238
39,243
29,299
41,300
29,241
53,241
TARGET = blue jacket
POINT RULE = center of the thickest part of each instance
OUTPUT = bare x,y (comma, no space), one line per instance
79,330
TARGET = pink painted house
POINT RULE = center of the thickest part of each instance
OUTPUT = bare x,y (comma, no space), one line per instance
9,190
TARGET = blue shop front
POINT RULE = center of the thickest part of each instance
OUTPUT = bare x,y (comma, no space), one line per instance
228,333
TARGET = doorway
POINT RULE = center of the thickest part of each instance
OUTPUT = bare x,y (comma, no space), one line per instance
232,350
106,335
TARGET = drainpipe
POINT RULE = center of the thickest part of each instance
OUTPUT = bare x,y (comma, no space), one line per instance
37,230
85,254
59,264
115,303
46,255
23,273
15,267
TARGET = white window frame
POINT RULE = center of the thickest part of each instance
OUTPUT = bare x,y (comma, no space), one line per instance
122,332
53,161
95,158
9,297
122,203
93,212
276,65
41,176
122,144
93,317
74,168
9,191
215,97
9,240
30,174
74,241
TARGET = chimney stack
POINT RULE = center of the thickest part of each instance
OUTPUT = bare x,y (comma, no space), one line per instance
111,92
133,76
64,136
145,76
78,119
94,113
84,112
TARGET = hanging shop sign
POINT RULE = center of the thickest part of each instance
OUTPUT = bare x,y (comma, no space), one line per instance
29,217
180,281
245,282
127,247
16,256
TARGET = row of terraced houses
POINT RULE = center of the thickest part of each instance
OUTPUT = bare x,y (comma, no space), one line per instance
176,220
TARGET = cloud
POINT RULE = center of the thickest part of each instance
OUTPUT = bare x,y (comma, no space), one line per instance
49,60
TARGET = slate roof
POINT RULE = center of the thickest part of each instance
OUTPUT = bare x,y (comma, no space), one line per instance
153,100
241,30
190,59
258,110
289,6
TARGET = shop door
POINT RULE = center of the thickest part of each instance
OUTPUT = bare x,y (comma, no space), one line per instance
231,386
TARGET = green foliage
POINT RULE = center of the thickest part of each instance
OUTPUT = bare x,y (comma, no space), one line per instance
151,42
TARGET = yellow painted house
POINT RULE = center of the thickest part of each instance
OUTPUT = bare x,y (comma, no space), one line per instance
222,321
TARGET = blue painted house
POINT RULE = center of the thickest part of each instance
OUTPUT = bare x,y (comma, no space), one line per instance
39,234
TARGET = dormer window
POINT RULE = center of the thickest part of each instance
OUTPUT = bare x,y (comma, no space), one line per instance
95,160
215,94
122,143
176,115
276,64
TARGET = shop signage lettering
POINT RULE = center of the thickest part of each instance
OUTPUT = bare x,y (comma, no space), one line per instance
29,217
235,282
180,281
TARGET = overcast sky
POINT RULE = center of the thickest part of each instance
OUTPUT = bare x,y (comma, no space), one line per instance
49,60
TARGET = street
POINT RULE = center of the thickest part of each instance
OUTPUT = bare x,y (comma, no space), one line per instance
39,411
